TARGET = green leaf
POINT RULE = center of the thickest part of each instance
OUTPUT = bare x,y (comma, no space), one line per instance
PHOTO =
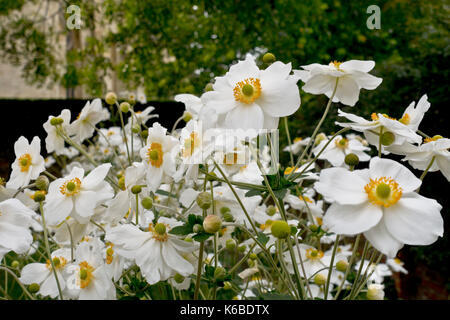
253,192
182,230
202,236
263,238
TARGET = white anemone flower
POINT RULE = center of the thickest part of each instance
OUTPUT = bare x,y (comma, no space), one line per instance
158,155
380,202
28,164
351,76
336,151
111,136
141,117
54,142
192,103
315,261
91,114
15,222
157,253
77,195
297,145
305,203
42,273
396,265
377,272
251,98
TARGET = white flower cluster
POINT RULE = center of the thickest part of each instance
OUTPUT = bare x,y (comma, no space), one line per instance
212,215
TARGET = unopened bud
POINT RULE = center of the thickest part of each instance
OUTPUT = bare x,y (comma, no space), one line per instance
42,183
136,128
280,229
320,279
227,285
147,203
178,278
230,244
242,248
136,189
110,98
34,287
197,228
15,264
39,196
271,210
351,160
342,265
269,58
219,273
124,107
212,223
187,116
204,200
144,134
319,138
387,138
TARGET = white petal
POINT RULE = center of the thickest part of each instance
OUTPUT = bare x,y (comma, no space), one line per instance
34,273
245,117
360,65
380,238
389,168
347,91
96,176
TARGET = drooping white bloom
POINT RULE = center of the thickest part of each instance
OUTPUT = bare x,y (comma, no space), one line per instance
54,142
305,203
111,136
28,164
350,76
380,202
77,195
91,114
396,265
336,151
192,103
158,155
314,261
141,117
297,145
375,291
251,98
157,253
42,273
15,222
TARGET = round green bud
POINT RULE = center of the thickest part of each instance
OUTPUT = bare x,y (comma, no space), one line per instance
387,138
187,116
228,217
34,287
136,128
280,229
121,183
271,210
124,107
147,203
342,265
251,263
269,58
351,159
227,285
144,134
15,264
253,256
111,98
383,190
242,248
224,210
188,239
39,196
247,90
178,278
42,183
197,228
230,244
136,189
313,228
319,138
320,279
212,223
204,200
209,87
160,228
56,121
220,273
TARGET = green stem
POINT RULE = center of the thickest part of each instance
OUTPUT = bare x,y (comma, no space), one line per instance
350,264
330,271
426,171
124,133
18,281
289,140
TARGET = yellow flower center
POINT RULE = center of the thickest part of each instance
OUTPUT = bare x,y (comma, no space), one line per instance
25,162
85,275
190,144
159,231
383,191
155,154
341,143
314,254
406,119
435,138
71,187
58,262
298,139
336,64
398,261
305,198
247,91
109,254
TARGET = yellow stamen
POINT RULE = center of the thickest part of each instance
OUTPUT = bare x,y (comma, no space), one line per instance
85,276
156,235
71,187
314,254
383,191
25,162
341,143
247,91
155,154
58,262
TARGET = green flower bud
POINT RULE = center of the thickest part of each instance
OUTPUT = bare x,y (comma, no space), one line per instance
251,263
197,228
271,210
253,256
269,58
147,203
321,136
320,279
230,244
187,116
204,200
121,183
228,217
56,121
144,134
220,273
224,210
39,196
387,138
42,183
342,265
178,278
212,223
227,285
136,189
280,229
124,107
33,288
351,159
242,248
313,228
15,264
160,228
111,98
136,128
209,87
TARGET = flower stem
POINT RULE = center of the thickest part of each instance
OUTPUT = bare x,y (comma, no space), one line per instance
327,287
291,155
352,258
426,170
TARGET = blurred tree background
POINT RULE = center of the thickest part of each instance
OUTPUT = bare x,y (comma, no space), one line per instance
178,46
